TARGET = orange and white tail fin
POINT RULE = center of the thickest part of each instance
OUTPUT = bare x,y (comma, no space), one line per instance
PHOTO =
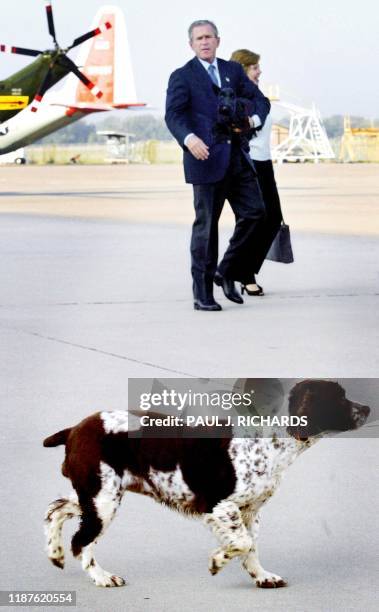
105,60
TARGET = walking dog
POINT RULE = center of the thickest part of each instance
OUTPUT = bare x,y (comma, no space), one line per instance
223,481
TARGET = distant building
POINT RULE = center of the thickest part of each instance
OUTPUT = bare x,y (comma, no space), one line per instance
278,134
359,144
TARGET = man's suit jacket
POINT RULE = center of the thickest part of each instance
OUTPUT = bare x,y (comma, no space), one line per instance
191,107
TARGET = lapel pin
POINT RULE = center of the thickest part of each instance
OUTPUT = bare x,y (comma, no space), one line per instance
227,79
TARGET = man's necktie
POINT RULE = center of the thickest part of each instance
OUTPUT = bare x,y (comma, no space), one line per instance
212,74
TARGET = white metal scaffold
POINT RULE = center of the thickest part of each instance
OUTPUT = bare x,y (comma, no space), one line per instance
307,138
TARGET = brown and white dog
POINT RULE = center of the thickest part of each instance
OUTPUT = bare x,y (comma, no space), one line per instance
223,481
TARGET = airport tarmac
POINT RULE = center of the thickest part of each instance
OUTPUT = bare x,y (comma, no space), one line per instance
331,198
95,289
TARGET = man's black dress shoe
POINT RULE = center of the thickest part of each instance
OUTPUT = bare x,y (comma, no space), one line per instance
228,288
211,305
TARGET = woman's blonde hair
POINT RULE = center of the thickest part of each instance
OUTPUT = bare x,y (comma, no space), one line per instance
245,57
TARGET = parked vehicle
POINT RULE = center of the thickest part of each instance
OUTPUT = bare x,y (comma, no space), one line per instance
14,157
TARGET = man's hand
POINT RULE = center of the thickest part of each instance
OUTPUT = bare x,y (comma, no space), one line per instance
198,148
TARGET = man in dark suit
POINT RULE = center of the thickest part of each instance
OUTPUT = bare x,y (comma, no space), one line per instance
219,169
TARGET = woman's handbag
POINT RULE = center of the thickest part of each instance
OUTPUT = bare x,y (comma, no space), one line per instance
281,248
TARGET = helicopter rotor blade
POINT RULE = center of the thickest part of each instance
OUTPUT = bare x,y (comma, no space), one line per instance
50,20
80,39
42,90
19,50
66,61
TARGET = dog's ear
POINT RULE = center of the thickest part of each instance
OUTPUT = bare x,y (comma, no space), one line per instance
300,399
302,404
305,403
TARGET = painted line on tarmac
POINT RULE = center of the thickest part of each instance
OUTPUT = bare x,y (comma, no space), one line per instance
267,297
107,353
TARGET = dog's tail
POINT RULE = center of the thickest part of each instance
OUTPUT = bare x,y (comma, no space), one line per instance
58,438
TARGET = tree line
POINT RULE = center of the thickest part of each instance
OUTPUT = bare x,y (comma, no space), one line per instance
150,127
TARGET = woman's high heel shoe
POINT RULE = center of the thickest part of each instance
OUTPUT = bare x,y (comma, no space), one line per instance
255,292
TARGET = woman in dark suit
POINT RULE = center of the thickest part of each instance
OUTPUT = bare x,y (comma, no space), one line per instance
260,152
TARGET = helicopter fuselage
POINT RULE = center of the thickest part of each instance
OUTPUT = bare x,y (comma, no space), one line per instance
18,90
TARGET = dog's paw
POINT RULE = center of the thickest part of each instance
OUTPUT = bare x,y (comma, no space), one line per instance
109,580
270,581
56,556
217,560
57,562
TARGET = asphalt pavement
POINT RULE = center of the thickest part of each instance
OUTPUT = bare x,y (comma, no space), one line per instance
87,303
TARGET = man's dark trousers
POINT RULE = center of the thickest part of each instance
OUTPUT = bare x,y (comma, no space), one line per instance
240,187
